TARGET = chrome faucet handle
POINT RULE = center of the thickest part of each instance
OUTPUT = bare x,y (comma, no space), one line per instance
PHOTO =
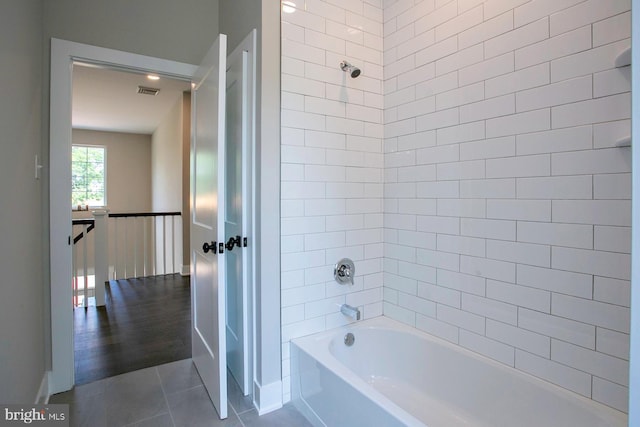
344,271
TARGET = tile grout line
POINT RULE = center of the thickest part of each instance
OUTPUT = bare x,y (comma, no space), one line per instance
234,410
164,394
233,407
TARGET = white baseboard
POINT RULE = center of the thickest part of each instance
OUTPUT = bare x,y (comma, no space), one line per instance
185,270
42,398
267,398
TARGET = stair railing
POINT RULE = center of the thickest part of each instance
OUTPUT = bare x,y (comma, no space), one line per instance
123,246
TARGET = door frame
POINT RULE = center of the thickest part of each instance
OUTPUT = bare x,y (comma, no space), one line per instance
63,55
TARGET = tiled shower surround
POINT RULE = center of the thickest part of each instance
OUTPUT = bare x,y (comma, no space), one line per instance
332,164
472,174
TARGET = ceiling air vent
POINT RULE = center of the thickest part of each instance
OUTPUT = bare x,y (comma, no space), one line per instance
148,90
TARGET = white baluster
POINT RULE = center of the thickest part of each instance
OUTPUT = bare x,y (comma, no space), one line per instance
164,244
101,238
154,227
85,270
144,245
173,244
115,249
74,266
135,246
126,247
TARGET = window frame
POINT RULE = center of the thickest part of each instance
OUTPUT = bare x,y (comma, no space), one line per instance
104,177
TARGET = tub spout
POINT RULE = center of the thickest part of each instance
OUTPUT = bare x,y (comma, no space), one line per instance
350,311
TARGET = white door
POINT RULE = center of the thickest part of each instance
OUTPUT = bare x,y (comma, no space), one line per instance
208,201
238,208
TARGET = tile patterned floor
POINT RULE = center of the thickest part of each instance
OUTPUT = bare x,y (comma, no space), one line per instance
169,395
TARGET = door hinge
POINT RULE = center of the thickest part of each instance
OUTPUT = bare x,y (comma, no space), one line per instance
244,242
69,240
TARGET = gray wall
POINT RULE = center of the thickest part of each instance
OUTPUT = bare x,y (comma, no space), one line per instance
177,30
166,162
22,296
240,17
167,178
186,181
128,168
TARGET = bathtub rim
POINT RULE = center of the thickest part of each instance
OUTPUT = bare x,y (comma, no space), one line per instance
317,347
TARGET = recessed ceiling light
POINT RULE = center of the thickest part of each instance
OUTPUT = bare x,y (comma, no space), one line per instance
153,77
288,6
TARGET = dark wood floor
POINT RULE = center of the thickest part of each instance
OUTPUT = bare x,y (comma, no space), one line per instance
145,322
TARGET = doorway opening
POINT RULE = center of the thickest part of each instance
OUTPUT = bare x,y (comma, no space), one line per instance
140,125
130,155
130,150
63,54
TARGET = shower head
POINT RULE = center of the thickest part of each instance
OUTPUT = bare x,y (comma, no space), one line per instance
351,69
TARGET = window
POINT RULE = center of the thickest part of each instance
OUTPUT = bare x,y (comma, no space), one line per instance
88,176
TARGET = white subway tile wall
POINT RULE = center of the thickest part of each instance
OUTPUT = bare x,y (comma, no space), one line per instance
503,181
472,174
332,166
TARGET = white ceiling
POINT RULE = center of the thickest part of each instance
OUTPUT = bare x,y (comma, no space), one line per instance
107,100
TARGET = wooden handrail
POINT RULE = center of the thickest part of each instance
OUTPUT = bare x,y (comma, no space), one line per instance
90,222
128,214
132,244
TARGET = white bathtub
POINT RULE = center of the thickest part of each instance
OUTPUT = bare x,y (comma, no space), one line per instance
394,375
